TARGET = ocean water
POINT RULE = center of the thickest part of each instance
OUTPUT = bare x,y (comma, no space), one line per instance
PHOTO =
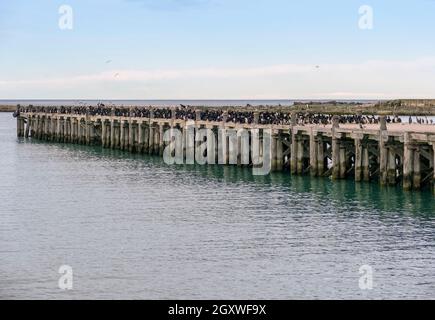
131,227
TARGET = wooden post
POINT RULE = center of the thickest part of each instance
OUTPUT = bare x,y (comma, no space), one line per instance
335,158
358,160
131,128
314,171
273,154
140,137
146,137
320,157
343,161
112,133
383,158
103,133
151,138
161,141
408,162
391,166
27,130
433,167
279,152
300,156
416,179
122,135
294,151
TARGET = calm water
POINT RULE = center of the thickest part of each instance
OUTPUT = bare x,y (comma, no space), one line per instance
132,227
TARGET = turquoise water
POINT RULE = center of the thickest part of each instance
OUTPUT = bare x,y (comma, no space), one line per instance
132,227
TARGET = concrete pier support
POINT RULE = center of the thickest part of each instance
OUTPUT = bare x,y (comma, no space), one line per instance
433,167
37,124
36,128
156,137
358,160
335,158
103,134
416,174
161,140
273,153
189,141
52,124
62,130
320,157
146,137
112,134
299,156
279,152
366,164
46,135
314,170
343,161
122,139
20,127
293,152
408,163
89,132
67,133
27,129
391,166
131,136
211,146
140,137
151,138
58,130
383,160
233,149
75,130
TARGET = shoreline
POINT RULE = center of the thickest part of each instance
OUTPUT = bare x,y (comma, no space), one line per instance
385,108
7,108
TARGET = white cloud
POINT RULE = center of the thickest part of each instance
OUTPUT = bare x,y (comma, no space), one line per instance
371,79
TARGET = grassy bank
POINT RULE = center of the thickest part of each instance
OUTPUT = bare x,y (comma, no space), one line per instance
371,109
7,108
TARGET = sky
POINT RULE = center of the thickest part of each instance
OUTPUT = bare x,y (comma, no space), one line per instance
217,49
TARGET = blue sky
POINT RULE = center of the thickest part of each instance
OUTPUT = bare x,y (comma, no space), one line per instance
216,49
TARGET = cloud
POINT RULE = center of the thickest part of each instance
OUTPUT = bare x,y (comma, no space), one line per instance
371,79
374,67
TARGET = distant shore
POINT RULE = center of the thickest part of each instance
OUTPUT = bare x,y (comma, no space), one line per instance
393,107
7,108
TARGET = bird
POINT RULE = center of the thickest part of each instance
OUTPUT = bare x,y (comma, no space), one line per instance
108,61
116,75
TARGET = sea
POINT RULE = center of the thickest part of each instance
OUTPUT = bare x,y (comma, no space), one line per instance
83,222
